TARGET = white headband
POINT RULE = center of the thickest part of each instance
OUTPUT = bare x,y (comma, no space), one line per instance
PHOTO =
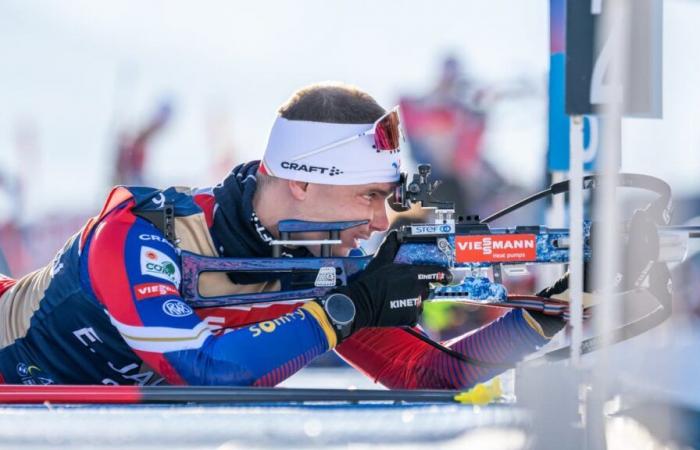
290,154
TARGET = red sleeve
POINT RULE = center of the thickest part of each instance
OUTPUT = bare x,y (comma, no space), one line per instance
399,360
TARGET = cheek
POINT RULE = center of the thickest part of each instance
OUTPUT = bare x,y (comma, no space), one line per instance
350,212
336,205
330,207
358,209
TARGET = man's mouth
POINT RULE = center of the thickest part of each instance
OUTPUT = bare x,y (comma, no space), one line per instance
356,241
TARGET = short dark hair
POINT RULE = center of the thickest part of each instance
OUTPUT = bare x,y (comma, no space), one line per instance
331,103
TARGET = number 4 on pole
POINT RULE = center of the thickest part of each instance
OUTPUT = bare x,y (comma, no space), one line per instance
590,65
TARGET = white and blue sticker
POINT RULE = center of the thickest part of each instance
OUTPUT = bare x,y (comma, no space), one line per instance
176,308
445,228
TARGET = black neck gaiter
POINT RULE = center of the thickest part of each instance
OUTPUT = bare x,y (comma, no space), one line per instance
236,228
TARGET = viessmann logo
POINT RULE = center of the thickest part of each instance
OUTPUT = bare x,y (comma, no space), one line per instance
496,248
150,290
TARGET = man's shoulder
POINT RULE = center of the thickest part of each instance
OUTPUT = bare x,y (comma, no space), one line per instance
184,200
125,204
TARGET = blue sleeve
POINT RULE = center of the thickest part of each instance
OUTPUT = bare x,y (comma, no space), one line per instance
135,273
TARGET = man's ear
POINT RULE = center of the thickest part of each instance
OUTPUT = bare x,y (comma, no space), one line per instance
298,189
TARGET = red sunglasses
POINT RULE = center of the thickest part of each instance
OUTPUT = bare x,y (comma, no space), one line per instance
386,131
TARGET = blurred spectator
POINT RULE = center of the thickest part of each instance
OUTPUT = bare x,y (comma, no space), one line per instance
219,131
132,148
16,256
447,127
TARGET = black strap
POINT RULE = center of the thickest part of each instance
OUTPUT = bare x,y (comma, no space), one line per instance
456,354
660,208
162,218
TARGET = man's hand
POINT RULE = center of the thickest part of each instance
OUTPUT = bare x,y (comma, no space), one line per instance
639,253
545,324
559,290
387,294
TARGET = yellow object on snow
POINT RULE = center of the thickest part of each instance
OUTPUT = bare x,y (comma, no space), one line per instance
482,393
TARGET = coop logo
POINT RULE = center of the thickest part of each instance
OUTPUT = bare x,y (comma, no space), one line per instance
496,248
176,308
432,229
333,171
149,290
157,264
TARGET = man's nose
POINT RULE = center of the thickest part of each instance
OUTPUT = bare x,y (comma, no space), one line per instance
380,220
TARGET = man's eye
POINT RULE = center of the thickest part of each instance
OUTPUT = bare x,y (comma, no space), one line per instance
370,196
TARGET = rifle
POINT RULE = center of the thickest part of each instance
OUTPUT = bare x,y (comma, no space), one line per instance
475,253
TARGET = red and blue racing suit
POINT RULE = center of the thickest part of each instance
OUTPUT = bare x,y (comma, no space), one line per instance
108,310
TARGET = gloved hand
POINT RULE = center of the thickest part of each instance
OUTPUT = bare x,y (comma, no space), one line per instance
387,294
559,290
639,252
550,325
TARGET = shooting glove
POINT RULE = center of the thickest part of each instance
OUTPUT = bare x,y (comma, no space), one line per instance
551,325
560,289
387,294
640,250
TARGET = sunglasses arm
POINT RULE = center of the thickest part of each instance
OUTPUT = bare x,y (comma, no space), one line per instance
332,145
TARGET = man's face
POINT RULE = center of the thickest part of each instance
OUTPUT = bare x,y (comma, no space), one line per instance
328,203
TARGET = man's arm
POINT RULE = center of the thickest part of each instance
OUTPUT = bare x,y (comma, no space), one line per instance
134,273
399,360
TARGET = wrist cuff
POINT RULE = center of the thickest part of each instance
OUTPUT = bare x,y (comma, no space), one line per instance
319,314
546,326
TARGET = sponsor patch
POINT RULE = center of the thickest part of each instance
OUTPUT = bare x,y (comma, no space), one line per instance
496,248
325,277
176,308
438,276
332,171
269,326
154,237
158,264
404,303
31,374
149,290
418,230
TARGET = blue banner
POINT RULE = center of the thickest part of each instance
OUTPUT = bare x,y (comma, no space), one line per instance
558,148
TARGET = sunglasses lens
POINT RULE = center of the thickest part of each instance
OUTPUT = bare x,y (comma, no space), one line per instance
386,133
